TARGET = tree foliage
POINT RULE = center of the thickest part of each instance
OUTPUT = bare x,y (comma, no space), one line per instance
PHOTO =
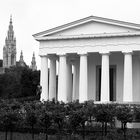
124,114
9,117
63,117
105,114
19,82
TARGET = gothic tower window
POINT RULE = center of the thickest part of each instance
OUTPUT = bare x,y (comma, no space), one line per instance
12,59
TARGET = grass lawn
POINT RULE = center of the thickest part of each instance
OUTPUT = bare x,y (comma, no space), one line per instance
114,135
41,136
21,136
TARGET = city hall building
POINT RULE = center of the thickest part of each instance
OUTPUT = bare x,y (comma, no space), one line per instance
96,58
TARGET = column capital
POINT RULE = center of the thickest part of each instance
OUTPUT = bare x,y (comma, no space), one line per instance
82,53
104,52
127,52
62,54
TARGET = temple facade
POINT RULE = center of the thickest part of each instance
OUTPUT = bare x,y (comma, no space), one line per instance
98,59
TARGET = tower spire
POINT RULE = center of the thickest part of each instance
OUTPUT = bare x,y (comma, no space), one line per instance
9,51
21,56
33,63
21,61
10,31
11,18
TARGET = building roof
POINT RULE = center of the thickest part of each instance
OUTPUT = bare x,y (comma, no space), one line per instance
86,20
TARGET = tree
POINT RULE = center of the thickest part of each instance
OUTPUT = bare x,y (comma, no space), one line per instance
74,120
105,114
31,116
58,115
9,118
19,81
83,118
137,113
90,109
10,87
45,120
77,119
124,114
29,81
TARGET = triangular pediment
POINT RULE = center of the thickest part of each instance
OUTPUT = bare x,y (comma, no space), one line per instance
90,26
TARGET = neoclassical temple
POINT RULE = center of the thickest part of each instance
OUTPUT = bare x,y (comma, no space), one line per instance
96,58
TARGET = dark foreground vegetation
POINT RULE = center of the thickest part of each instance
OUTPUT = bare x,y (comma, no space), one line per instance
18,82
70,121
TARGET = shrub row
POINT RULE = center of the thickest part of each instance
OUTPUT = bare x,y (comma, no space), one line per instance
62,117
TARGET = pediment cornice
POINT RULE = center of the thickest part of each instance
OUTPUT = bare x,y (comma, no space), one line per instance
105,35
86,20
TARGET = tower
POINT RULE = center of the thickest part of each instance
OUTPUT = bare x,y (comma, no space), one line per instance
33,63
21,61
9,49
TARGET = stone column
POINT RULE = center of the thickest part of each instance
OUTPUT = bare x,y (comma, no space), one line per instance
75,92
44,78
62,89
83,90
105,78
127,87
69,82
52,78
74,83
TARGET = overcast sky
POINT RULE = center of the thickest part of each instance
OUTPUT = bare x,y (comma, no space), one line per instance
33,16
